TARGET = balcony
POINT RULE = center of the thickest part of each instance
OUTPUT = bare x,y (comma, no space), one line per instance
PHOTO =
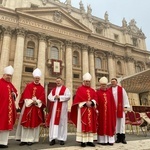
30,59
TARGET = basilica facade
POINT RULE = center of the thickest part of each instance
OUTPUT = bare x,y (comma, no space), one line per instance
65,41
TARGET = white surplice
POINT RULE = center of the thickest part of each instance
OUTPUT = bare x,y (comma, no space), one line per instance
81,136
106,139
120,124
4,137
59,132
27,134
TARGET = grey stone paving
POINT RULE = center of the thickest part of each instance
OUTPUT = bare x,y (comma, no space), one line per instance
135,142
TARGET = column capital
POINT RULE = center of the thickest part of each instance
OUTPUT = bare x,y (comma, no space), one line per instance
21,32
110,54
68,43
49,42
7,30
129,59
91,50
42,37
84,47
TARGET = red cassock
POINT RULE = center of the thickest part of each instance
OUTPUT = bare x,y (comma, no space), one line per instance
88,115
7,105
107,113
33,116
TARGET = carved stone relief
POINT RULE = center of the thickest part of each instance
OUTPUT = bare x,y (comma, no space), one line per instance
57,17
99,27
7,30
44,2
42,37
110,54
31,37
68,43
21,31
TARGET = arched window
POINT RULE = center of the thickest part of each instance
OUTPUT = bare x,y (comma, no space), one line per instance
119,67
30,49
138,68
75,58
54,53
98,63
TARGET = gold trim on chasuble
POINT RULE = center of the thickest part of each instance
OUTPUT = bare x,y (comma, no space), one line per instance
89,110
9,106
33,95
105,108
34,91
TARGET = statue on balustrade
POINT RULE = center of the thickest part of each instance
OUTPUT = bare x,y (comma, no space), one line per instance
106,16
89,9
68,2
124,23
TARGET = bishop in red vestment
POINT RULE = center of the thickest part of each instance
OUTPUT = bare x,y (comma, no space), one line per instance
32,103
83,113
107,114
8,94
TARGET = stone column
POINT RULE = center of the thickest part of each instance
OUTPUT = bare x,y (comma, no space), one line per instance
130,71
69,74
131,66
92,68
46,90
12,4
41,56
4,59
126,39
143,44
18,60
85,60
111,65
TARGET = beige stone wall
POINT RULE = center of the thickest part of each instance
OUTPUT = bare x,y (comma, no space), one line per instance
58,30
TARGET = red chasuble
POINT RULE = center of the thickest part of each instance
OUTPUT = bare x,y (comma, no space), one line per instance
88,115
59,106
120,102
7,105
33,116
107,113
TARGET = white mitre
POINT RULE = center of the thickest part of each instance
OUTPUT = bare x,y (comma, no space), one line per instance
37,73
87,77
103,80
9,70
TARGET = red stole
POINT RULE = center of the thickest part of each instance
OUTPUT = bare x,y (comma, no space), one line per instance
120,102
59,106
